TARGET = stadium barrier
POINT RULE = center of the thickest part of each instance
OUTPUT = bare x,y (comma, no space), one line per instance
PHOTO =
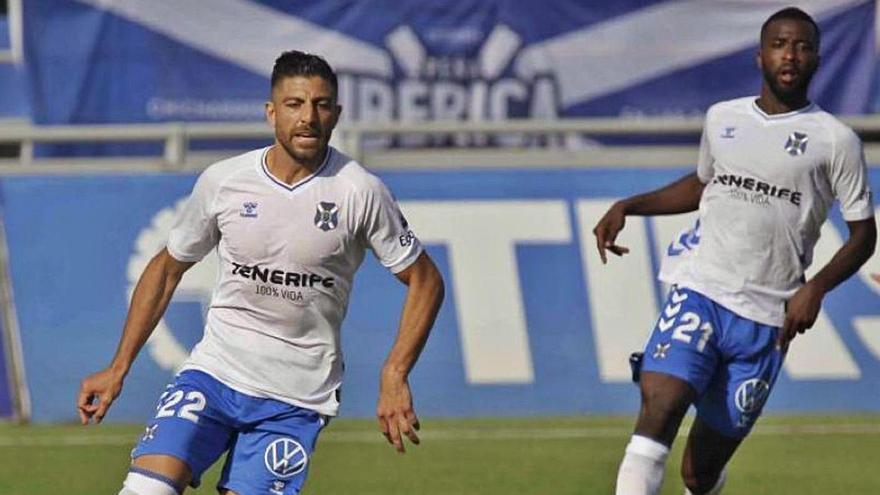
562,143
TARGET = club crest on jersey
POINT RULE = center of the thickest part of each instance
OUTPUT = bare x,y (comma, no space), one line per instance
796,144
327,216
249,209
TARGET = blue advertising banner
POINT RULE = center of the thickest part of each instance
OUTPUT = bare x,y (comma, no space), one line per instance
107,61
533,322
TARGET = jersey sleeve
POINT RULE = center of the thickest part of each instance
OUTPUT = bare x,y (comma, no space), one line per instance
849,178
387,232
705,161
195,232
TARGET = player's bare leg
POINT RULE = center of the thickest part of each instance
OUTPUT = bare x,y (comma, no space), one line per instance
665,400
157,475
705,455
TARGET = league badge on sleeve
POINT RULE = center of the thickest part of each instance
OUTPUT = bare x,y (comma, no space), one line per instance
327,216
796,144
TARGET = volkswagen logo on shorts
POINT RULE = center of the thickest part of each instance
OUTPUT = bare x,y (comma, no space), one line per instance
285,457
751,394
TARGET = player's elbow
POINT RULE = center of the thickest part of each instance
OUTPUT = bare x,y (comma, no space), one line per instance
865,234
168,266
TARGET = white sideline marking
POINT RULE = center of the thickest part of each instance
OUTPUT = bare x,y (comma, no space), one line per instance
462,434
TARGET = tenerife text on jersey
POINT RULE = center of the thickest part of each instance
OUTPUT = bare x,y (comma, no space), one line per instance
281,277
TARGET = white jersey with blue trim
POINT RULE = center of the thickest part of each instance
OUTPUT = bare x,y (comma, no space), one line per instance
770,182
287,256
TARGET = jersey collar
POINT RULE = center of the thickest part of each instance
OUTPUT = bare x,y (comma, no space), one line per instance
265,166
780,116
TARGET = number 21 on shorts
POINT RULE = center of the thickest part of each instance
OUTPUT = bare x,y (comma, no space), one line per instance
688,323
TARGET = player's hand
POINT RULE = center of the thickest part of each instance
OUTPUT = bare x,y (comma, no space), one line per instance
395,412
96,393
801,312
607,229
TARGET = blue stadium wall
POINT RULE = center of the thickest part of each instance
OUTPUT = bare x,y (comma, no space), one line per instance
533,324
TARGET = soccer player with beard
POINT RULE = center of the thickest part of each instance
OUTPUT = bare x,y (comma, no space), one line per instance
769,169
291,224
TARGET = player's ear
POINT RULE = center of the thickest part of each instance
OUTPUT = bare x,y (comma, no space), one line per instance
337,111
270,113
758,60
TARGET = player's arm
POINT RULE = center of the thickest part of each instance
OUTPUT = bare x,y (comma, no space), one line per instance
148,303
397,417
803,307
681,196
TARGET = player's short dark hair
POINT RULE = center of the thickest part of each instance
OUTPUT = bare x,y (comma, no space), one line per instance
296,63
791,13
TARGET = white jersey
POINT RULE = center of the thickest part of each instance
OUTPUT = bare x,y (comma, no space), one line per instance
770,181
287,255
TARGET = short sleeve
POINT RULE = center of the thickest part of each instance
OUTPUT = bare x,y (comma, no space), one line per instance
705,160
195,232
387,232
849,178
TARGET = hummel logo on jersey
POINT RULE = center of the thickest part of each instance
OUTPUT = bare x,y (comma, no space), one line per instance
796,144
327,216
728,133
249,209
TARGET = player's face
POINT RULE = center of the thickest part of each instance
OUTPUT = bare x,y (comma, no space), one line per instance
788,57
303,112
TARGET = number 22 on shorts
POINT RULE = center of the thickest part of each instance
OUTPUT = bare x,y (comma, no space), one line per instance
181,404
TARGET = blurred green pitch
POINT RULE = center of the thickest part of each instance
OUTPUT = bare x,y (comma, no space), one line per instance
554,456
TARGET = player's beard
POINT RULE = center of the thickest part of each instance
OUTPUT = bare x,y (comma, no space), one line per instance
306,157
790,95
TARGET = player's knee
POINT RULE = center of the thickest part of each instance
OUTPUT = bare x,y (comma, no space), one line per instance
143,482
660,405
698,481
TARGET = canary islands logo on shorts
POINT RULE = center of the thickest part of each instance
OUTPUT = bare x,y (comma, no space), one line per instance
327,216
285,457
751,395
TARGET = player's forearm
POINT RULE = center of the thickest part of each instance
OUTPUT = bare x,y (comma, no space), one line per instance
681,196
423,299
850,257
148,303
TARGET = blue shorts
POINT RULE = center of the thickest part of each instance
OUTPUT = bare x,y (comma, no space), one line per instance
732,362
269,442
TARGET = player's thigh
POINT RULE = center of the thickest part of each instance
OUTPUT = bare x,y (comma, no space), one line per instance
705,455
665,400
188,432
679,360
273,455
734,400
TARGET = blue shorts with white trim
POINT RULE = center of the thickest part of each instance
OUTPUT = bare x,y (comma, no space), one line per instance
732,362
269,442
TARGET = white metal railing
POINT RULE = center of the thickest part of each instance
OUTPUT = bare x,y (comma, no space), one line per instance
176,137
